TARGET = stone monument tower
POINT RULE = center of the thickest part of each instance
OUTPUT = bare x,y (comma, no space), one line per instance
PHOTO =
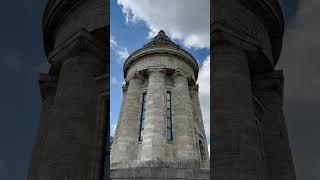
75,92
250,137
160,132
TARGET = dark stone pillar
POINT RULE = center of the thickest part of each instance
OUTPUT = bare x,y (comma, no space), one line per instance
235,147
268,88
73,138
48,91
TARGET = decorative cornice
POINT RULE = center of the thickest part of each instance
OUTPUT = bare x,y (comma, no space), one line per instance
55,13
136,76
270,12
78,44
161,50
161,44
180,72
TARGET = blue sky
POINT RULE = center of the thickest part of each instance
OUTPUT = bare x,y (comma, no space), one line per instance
21,55
130,30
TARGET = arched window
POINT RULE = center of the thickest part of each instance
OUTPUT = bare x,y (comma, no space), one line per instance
143,110
202,151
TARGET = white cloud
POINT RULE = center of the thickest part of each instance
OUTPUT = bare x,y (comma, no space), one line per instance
120,51
209,149
113,128
185,20
204,94
114,81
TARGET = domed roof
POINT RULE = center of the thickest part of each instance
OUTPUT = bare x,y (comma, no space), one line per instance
161,44
161,39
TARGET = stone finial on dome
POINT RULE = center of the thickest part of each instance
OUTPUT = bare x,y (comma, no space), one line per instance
161,40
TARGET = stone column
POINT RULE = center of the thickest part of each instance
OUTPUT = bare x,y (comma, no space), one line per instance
268,88
235,145
183,128
126,139
154,137
198,117
48,91
71,147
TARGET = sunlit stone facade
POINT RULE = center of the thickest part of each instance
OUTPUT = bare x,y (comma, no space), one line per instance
160,132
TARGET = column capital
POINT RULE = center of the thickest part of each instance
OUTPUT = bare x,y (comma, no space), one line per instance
135,76
156,69
81,44
179,73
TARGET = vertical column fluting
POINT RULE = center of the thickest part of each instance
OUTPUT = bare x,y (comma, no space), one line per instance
38,153
235,144
196,108
198,118
70,148
268,88
154,137
183,129
126,139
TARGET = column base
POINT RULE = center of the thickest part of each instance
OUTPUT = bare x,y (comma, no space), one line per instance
159,173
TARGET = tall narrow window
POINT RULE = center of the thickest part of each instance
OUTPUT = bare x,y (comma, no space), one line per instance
105,108
202,153
169,117
143,110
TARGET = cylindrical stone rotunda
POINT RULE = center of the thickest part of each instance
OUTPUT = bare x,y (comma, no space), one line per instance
70,143
250,135
160,132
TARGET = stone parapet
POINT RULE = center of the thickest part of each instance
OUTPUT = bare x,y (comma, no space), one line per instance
159,173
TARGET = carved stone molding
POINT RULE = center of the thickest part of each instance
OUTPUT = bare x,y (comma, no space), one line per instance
80,44
161,45
136,76
54,14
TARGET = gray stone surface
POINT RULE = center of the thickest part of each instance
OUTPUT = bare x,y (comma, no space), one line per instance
126,147
72,131
268,88
161,66
154,134
159,173
184,121
250,138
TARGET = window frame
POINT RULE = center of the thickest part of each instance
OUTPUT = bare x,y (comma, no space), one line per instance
142,115
169,118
